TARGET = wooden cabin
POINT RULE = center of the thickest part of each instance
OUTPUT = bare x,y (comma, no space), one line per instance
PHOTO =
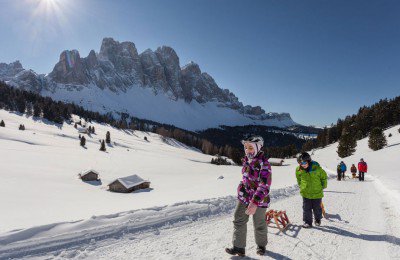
82,130
89,175
276,161
128,184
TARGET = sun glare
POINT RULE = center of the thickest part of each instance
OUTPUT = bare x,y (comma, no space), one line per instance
47,19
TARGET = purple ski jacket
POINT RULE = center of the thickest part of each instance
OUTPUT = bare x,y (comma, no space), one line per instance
256,181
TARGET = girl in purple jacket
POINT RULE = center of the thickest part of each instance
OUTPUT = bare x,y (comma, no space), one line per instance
253,197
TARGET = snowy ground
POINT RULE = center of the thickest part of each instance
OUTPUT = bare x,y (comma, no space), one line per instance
188,213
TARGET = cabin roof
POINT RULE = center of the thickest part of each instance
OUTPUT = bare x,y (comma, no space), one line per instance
83,173
130,181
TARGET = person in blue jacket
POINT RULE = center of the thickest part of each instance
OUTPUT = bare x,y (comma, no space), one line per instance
343,168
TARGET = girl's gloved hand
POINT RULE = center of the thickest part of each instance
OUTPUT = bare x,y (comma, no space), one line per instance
251,209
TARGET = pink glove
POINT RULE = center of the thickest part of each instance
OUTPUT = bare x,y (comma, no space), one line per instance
251,209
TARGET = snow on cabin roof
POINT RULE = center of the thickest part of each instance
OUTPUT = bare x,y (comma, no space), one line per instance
130,181
277,160
83,173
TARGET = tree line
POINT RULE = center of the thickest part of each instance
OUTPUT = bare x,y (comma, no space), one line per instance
33,104
369,121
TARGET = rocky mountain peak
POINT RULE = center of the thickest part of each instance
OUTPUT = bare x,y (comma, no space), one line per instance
70,69
123,56
191,68
7,71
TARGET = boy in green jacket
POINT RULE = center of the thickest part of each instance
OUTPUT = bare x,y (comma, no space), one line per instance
312,179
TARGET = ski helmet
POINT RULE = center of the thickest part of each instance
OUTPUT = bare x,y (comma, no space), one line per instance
304,157
257,142
254,139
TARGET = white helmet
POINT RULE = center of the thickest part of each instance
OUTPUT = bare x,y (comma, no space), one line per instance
258,140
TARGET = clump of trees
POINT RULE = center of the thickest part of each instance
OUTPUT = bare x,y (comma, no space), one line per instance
21,127
91,130
219,160
2,124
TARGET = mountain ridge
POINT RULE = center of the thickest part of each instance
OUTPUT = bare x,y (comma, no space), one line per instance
100,80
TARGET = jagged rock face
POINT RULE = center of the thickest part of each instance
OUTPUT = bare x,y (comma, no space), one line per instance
8,71
118,67
204,88
154,74
29,80
124,58
70,69
254,110
170,61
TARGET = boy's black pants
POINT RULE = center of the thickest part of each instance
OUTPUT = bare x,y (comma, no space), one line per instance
310,206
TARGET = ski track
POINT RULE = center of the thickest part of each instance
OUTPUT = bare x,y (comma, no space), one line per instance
360,223
41,240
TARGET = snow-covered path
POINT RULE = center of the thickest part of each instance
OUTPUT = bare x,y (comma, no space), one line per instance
361,225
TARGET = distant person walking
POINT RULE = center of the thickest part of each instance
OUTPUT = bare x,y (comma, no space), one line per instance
253,198
339,172
343,168
312,180
362,169
353,170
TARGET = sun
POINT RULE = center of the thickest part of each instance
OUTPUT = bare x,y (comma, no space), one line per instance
47,19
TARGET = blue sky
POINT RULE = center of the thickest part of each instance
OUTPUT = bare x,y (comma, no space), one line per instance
318,60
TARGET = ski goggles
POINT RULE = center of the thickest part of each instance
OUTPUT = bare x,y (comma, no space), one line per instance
303,163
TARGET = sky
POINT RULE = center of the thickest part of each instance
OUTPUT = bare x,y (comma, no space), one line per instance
317,60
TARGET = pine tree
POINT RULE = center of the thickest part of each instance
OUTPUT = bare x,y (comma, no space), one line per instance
145,138
347,144
108,137
377,139
2,124
83,141
21,127
93,131
76,125
359,135
390,135
103,146
36,110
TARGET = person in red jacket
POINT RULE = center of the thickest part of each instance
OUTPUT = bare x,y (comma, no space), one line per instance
362,169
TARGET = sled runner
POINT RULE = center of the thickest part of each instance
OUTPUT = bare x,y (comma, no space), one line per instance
323,210
280,218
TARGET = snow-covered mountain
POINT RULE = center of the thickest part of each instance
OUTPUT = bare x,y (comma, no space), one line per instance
151,85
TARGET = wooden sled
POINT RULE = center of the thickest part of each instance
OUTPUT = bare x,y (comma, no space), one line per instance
323,210
279,218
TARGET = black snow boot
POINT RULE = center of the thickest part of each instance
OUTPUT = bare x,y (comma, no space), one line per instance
235,251
260,250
